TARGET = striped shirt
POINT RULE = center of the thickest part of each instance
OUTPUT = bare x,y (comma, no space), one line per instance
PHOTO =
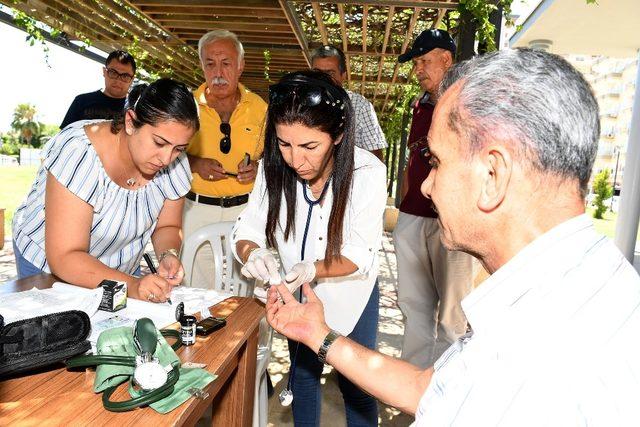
555,340
369,135
123,220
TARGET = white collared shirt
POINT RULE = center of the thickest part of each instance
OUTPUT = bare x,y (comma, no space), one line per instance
555,340
344,298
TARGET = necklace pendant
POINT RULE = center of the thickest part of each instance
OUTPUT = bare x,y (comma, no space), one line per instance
131,182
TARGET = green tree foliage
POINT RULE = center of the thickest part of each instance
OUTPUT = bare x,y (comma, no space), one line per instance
25,125
603,190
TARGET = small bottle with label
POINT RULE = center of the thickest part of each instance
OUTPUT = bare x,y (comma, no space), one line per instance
188,330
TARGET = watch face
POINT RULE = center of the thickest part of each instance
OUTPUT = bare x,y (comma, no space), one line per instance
179,311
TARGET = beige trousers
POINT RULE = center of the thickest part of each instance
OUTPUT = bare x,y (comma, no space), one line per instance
196,215
431,283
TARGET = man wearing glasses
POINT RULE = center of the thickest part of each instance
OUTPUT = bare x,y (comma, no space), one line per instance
223,154
119,71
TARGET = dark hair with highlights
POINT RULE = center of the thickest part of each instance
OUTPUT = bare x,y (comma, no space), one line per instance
161,101
326,117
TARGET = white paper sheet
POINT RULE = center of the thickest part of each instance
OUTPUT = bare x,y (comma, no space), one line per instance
63,296
39,302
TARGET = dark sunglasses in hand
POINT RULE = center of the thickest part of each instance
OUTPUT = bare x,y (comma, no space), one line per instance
123,77
225,142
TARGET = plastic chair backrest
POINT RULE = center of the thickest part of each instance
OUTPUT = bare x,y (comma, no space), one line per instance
227,275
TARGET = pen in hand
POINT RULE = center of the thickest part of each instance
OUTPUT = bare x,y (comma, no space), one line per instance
149,262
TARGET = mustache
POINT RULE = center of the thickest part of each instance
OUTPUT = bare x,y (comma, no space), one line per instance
219,81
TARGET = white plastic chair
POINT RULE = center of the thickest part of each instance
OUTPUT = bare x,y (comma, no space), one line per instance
227,277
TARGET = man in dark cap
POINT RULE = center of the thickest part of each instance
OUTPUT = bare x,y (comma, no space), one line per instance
431,279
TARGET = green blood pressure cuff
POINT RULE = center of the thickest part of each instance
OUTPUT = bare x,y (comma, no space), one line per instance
117,351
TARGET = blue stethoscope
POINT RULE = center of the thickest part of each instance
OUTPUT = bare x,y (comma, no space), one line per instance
286,395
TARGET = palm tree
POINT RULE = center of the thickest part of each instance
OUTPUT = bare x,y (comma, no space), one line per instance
25,124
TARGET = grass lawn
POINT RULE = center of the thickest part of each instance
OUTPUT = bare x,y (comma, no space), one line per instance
15,182
606,225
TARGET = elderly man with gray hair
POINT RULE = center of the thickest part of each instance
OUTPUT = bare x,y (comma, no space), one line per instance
223,154
554,329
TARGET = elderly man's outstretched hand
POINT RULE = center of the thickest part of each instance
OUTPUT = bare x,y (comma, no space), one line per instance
300,322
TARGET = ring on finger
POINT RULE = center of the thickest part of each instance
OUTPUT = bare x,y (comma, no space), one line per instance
151,296
210,177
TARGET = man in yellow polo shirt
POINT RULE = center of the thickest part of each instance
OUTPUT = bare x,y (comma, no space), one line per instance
223,154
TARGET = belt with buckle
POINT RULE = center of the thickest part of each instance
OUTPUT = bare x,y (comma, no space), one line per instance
224,202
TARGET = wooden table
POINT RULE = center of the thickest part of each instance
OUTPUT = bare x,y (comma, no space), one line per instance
62,397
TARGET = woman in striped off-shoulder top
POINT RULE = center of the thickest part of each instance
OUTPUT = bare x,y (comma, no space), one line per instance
105,188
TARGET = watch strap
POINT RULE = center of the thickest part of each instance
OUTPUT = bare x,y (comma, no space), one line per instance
164,254
324,348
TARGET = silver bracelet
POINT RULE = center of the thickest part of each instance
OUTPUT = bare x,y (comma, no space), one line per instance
324,348
167,252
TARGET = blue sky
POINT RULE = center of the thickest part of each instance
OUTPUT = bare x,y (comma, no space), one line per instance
26,78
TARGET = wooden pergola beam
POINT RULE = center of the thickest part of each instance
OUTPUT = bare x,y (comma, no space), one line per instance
385,42
294,22
237,10
343,33
319,22
239,26
220,19
397,3
365,15
247,4
412,24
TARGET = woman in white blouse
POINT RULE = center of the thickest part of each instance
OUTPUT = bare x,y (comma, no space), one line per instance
318,201
105,188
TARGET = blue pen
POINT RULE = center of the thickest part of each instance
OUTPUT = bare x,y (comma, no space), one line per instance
149,262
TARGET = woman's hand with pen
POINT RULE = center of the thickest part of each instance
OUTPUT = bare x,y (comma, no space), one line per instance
152,288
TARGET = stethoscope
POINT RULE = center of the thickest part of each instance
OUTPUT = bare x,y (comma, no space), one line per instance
286,395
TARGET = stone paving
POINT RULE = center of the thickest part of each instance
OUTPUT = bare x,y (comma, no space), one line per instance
390,332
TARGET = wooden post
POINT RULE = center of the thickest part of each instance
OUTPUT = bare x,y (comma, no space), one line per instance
466,37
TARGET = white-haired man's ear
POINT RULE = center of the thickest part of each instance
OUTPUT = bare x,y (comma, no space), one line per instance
495,169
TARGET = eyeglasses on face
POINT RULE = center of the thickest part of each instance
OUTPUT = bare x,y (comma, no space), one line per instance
123,77
225,142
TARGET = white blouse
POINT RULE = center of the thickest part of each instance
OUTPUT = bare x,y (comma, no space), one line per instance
344,297
123,219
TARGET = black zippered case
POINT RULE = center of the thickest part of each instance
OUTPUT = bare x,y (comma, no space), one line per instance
39,342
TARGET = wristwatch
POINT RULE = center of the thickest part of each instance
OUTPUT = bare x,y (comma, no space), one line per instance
164,254
324,348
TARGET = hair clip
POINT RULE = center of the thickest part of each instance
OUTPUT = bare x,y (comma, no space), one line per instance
327,102
333,104
342,107
337,101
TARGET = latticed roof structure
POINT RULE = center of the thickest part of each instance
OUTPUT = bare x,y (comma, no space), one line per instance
277,35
